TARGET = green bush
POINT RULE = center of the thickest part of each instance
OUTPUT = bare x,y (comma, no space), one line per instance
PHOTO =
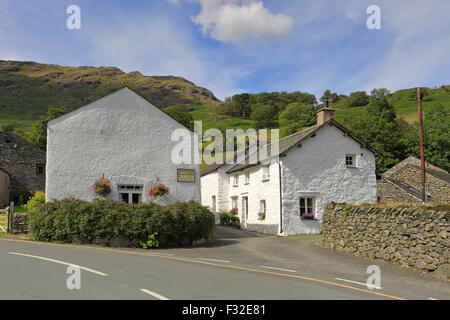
228,219
37,198
77,221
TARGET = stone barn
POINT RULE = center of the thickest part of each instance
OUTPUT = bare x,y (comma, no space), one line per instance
125,139
4,188
25,164
403,183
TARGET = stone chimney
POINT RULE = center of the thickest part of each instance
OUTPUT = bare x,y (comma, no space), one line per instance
325,114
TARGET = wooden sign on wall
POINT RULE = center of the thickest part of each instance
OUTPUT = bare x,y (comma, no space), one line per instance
185,175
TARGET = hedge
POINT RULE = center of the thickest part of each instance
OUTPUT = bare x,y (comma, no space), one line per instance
77,221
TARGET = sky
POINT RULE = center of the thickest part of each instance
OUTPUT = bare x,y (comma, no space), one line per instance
235,46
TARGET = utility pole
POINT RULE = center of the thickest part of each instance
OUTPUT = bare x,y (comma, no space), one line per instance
422,155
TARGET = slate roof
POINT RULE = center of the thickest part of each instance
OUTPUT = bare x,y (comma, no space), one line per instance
441,175
286,144
407,188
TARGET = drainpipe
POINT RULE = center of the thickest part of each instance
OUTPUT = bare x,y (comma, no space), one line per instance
281,197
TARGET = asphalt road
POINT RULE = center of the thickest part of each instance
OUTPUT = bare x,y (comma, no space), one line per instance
237,265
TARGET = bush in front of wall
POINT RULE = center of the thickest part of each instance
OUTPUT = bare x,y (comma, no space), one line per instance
77,221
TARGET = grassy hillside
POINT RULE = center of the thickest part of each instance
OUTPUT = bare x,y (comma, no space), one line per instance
404,102
28,89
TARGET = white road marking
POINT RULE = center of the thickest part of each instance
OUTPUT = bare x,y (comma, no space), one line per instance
60,262
278,269
154,294
207,259
363,284
432,299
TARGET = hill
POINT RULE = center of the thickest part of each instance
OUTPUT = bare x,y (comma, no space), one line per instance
28,89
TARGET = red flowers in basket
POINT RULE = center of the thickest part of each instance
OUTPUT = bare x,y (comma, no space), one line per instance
158,190
102,187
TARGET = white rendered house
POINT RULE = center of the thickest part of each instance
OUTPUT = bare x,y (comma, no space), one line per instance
315,166
123,138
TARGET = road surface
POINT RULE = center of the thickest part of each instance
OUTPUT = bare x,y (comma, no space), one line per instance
236,265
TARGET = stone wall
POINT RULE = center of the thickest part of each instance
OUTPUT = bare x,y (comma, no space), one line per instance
416,237
20,223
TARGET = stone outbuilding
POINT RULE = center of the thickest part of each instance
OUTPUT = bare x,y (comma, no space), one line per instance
320,164
24,163
403,183
4,188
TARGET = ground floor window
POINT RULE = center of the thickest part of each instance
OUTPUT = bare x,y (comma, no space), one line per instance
130,194
262,210
307,207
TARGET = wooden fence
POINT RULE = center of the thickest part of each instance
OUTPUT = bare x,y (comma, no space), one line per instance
9,211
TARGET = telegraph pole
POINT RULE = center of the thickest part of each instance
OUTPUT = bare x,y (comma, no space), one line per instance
422,155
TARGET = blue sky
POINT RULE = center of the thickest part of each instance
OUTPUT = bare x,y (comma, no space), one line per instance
232,46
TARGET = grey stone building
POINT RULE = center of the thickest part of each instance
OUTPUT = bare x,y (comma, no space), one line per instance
24,164
4,188
403,183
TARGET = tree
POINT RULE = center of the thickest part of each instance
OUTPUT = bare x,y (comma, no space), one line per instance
295,117
436,137
266,116
332,97
379,104
357,99
180,114
39,136
8,127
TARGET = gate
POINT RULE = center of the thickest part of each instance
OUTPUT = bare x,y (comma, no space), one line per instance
6,217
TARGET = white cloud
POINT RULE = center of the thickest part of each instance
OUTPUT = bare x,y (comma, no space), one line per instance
236,20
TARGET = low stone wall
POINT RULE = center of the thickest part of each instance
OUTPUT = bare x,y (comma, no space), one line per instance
416,237
20,223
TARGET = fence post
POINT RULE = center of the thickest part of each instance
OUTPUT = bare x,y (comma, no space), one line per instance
7,220
11,214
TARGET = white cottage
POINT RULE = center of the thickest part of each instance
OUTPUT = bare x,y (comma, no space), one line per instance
315,166
123,138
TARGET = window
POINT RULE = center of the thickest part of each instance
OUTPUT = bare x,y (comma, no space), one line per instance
234,203
266,173
235,180
350,160
247,177
262,210
40,168
307,206
130,194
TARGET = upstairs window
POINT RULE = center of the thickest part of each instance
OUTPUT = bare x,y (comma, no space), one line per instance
266,173
235,180
350,160
247,177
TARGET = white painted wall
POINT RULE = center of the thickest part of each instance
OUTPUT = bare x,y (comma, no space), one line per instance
318,169
257,190
121,136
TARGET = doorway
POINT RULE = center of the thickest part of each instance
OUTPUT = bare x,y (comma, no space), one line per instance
244,211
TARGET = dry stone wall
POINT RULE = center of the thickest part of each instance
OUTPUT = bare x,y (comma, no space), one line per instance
416,237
